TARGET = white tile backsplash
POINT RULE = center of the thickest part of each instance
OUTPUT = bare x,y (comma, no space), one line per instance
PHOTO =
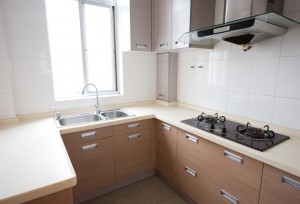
237,103
291,42
219,100
240,75
264,76
267,48
7,109
5,82
261,107
288,83
220,74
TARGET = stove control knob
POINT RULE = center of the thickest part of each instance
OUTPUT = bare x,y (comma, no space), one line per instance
224,130
212,126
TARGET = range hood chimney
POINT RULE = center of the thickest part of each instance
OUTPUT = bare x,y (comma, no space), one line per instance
244,22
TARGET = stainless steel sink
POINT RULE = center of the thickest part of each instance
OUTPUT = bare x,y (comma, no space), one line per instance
90,117
78,119
114,114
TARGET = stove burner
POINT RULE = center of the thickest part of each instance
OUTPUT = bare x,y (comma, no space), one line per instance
211,119
213,123
255,133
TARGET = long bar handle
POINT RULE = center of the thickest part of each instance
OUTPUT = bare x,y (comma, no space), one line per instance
190,171
290,182
167,127
135,136
89,147
233,157
88,134
163,45
132,126
141,46
229,197
191,138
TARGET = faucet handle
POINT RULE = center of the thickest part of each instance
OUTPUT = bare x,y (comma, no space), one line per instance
57,115
98,110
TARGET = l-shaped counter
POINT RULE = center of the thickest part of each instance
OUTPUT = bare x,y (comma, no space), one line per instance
35,163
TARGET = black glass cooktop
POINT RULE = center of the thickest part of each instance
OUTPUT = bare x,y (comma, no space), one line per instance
228,130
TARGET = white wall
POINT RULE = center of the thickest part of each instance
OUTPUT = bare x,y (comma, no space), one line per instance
7,109
262,83
25,28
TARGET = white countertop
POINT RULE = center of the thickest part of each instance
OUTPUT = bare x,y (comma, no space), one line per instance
35,163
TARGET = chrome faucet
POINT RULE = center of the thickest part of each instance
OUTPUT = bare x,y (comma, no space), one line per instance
98,110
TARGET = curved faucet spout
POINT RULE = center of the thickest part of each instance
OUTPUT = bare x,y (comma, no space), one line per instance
98,110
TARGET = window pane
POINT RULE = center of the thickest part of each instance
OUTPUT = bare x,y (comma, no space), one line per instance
65,47
100,47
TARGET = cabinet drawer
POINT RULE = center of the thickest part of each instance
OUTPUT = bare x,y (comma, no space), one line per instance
133,153
87,135
133,126
188,177
279,187
165,128
240,175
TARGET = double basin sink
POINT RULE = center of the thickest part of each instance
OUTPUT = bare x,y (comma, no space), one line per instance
91,117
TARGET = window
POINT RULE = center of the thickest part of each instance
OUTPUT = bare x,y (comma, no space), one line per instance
82,46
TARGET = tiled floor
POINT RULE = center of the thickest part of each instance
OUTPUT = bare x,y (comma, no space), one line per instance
152,190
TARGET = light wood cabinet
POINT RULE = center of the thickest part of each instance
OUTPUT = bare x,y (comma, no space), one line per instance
140,25
92,155
279,187
167,76
166,137
133,144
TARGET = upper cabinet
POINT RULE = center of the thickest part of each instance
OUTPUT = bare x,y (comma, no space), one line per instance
140,25
175,17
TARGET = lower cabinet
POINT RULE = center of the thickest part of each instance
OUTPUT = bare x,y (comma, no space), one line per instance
279,187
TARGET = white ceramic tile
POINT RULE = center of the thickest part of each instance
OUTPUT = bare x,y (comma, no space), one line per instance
7,109
22,103
65,104
42,101
261,107
25,12
237,53
137,71
139,93
286,112
197,54
27,41
288,83
222,50
264,76
185,94
86,102
201,74
237,104
240,75
31,74
5,82
219,100
267,48
291,5
291,42
202,96
184,73
220,74
3,52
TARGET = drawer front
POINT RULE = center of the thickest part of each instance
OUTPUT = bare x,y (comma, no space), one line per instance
189,146
240,175
165,128
279,187
87,135
133,153
166,136
133,126
87,154
188,175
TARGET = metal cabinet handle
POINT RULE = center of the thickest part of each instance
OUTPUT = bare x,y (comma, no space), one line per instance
167,127
162,95
163,45
233,157
135,125
88,134
190,171
290,182
131,137
141,46
229,197
89,147
191,138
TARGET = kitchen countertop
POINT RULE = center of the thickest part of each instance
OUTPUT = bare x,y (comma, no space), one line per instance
27,145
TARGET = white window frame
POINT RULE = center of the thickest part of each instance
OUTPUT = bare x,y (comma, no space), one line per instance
111,5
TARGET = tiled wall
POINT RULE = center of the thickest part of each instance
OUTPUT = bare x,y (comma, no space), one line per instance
7,109
24,25
262,83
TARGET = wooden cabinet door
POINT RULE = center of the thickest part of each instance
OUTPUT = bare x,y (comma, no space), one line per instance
140,25
163,24
166,137
279,187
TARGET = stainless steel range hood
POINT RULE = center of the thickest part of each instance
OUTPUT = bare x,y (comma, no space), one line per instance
243,32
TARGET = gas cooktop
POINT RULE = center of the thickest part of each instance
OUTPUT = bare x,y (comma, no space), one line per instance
257,138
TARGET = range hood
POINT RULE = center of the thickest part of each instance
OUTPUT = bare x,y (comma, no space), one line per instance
243,32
